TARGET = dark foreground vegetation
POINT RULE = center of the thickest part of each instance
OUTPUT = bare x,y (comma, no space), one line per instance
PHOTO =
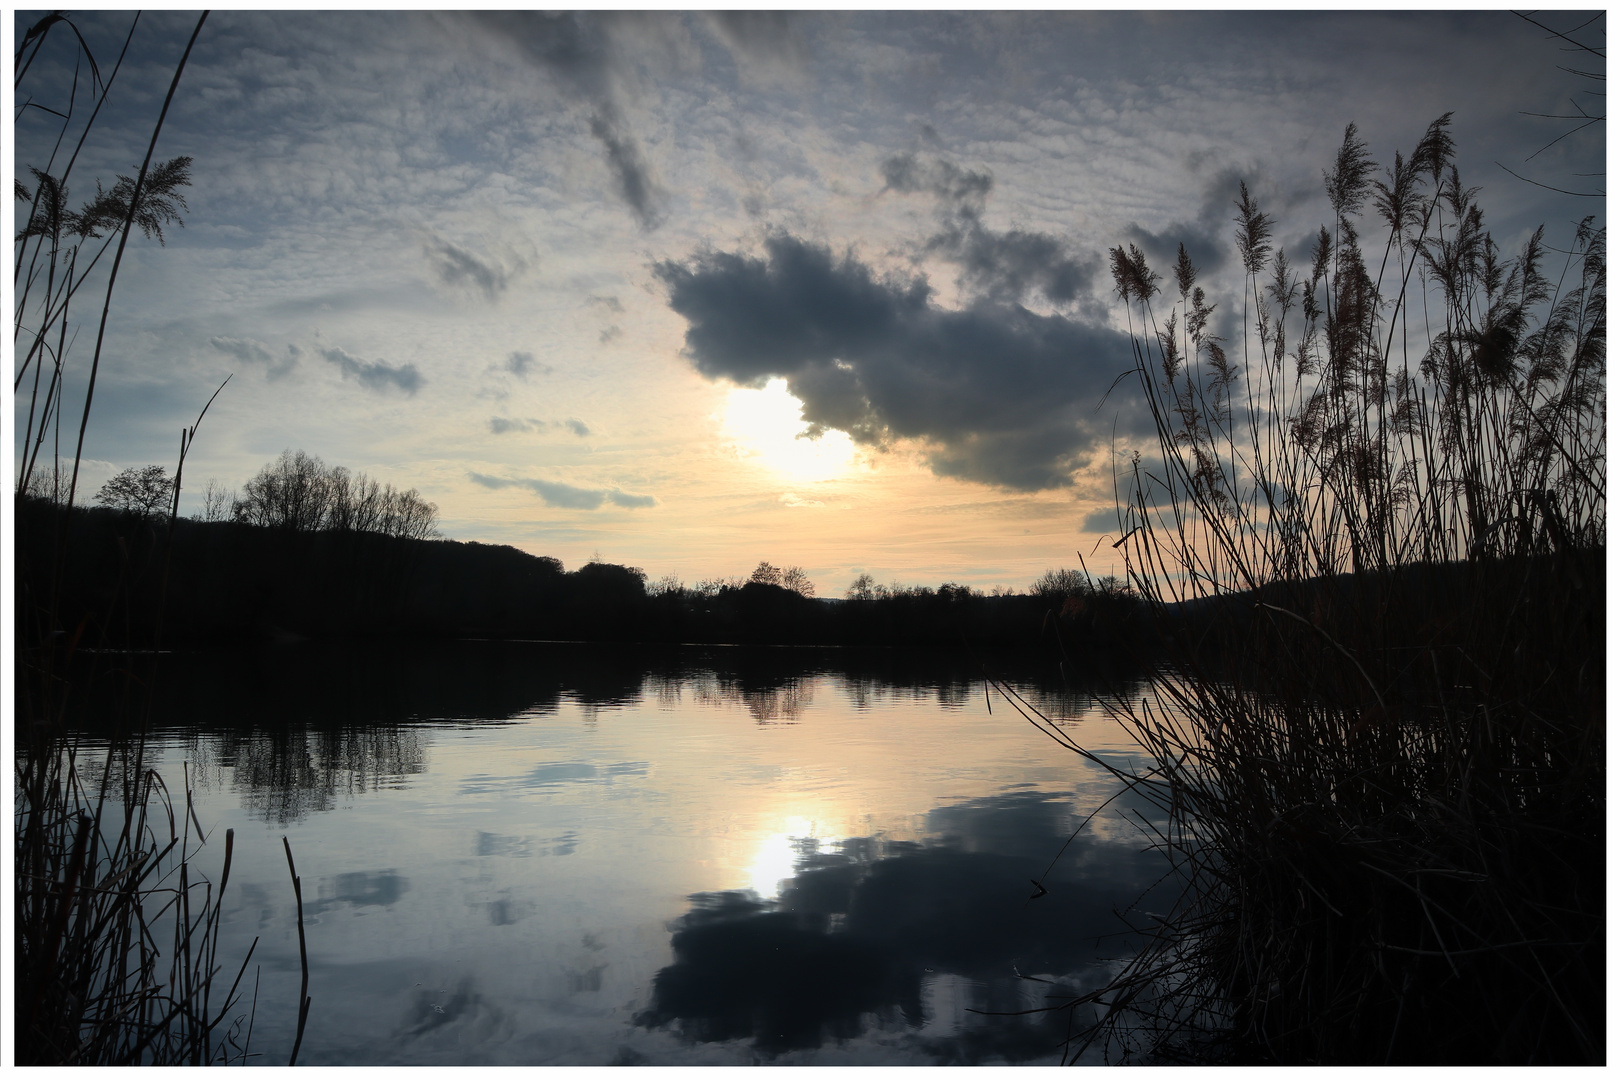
236,581
1381,742
116,909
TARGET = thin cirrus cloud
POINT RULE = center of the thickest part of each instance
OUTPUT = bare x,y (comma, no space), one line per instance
567,496
502,425
999,395
378,376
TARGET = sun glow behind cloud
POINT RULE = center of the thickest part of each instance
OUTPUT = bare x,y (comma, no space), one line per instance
598,220
768,427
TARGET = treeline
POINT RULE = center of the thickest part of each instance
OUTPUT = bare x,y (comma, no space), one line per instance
141,581
297,491
300,492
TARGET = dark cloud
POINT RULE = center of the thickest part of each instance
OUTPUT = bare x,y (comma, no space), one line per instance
1208,237
1104,519
577,427
252,352
1150,482
632,177
567,496
609,334
521,363
1205,247
573,47
377,376
963,189
457,266
609,302
763,37
1003,395
1004,267
577,50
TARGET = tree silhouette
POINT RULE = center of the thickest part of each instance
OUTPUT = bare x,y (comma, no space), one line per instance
143,490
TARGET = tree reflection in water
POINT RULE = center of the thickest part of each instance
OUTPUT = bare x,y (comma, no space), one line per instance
303,726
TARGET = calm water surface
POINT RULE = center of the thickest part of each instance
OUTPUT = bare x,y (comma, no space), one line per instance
550,854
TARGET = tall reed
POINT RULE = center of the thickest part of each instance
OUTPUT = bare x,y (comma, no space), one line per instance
116,927
1373,538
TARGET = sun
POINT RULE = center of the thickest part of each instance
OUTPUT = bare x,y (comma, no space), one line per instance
768,426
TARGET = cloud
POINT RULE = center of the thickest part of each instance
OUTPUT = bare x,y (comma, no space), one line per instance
377,376
609,302
579,52
521,363
1208,237
631,174
1001,395
614,331
853,929
574,47
764,42
457,266
1103,519
1150,482
962,188
252,352
567,496
1004,267
501,425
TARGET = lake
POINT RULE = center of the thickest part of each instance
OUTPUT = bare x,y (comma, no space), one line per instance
554,854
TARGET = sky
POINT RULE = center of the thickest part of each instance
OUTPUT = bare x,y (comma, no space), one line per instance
691,291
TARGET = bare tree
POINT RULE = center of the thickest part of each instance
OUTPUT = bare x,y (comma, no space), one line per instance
862,588
143,490
217,502
51,483
299,491
1059,583
795,578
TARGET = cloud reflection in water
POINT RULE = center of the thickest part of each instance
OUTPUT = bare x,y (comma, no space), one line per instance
860,934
